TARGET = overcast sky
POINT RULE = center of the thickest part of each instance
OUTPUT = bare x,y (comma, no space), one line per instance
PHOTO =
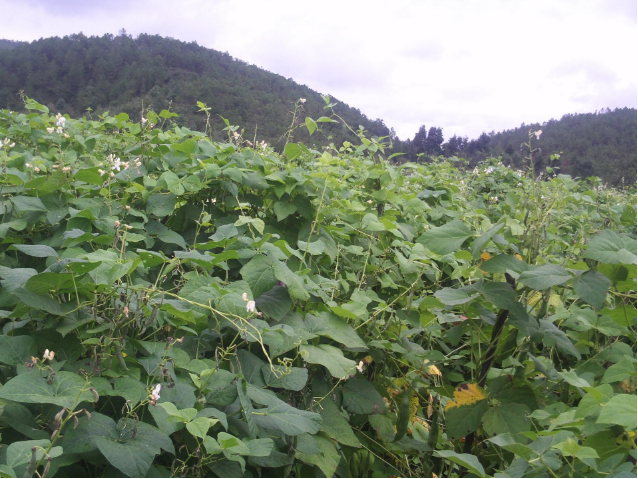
467,66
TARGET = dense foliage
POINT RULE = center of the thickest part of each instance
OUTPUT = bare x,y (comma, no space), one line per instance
173,305
123,74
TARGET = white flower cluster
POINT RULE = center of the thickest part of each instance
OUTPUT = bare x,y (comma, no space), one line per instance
7,143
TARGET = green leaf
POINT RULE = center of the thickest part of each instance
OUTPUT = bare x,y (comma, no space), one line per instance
16,350
199,427
284,210
609,247
360,397
545,276
592,288
453,296
621,410
330,357
19,453
161,205
258,224
552,336
503,263
293,282
89,175
311,125
481,241
333,327
620,371
39,251
259,273
292,151
506,418
326,457
24,204
445,239
50,283
287,419
65,389
463,420
293,379
275,303
468,461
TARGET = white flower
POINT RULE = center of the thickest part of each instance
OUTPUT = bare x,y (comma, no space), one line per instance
245,297
101,172
144,120
302,100
250,306
66,135
235,134
61,121
36,169
48,355
28,165
360,366
117,164
538,134
60,129
50,130
155,395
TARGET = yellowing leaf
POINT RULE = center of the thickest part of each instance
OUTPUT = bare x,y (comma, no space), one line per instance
432,369
465,395
485,256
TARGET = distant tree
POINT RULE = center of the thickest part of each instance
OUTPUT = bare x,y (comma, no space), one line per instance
419,143
434,141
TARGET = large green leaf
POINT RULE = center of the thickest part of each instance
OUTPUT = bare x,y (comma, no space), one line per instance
16,350
66,389
275,303
592,288
545,276
610,247
621,410
292,281
330,357
463,420
468,461
506,418
333,327
259,274
287,419
360,397
132,452
445,239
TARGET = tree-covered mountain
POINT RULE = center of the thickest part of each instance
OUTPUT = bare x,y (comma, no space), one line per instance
120,73
590,144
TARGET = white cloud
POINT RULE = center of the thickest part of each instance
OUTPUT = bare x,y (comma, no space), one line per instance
467,66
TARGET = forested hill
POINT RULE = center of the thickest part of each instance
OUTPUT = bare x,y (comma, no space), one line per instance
123,74
119,73
590,144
